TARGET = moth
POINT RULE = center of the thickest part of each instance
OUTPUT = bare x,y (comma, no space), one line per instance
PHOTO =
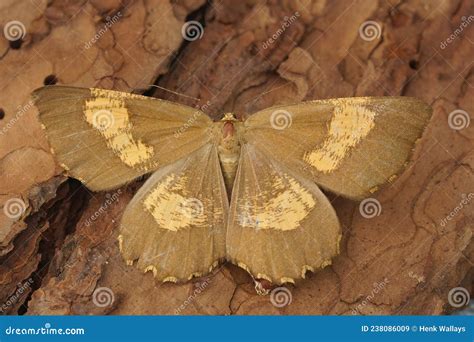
248,192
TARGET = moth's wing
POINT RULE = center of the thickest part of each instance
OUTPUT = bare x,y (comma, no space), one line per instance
350,146
106,138
280,224
175,225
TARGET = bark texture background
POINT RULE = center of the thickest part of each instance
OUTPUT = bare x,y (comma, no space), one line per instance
58,247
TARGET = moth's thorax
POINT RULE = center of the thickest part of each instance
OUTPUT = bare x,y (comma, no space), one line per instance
229,148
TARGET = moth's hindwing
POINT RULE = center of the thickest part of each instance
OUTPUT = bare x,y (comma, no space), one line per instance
280,224
106,138
175,224
350,146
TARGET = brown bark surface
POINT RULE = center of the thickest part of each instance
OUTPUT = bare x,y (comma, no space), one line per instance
60,254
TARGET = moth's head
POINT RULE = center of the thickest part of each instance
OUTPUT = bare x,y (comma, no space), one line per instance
229,117
229,132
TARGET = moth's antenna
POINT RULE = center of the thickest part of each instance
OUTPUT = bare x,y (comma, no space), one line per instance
179,94
268,91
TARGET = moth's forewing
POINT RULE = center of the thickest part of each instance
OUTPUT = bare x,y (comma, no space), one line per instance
106,138
350,146
280,224
175,224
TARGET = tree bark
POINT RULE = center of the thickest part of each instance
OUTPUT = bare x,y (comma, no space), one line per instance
55,259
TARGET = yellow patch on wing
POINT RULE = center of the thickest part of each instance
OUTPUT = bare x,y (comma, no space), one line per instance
170,209
107,113
153,269
349,125
283,207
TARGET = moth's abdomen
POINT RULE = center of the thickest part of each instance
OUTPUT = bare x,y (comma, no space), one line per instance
229,152
229,163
